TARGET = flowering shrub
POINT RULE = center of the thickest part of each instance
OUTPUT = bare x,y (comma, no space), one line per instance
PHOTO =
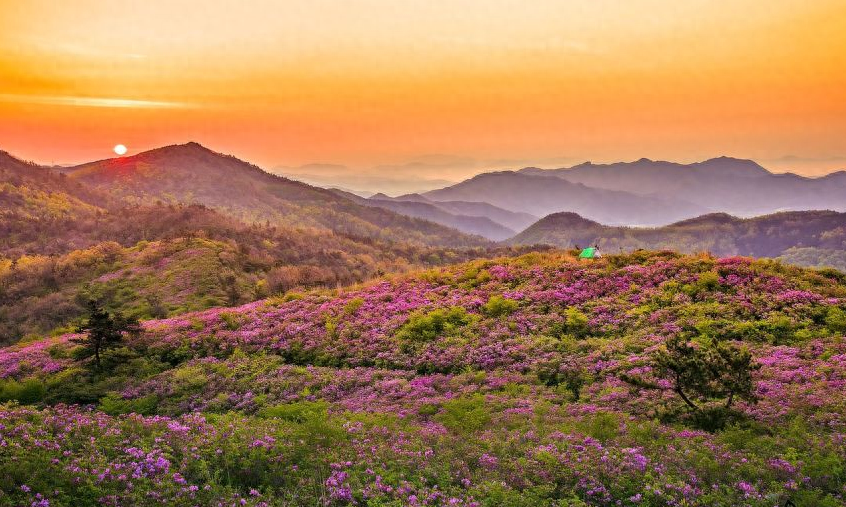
491,383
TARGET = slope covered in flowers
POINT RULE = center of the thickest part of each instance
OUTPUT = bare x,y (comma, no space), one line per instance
492,383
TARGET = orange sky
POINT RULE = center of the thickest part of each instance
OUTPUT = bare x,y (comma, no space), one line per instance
367,82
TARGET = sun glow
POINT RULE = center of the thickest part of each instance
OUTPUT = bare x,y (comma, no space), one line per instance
120,149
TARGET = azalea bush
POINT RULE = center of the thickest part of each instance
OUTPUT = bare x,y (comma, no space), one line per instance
535,380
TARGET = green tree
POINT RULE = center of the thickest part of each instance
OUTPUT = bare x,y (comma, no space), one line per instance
102,331
714,372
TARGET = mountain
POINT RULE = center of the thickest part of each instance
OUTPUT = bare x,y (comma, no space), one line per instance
720,233
513,220
420,207
479,225
650,379
541,195
723,184
29,191
190,173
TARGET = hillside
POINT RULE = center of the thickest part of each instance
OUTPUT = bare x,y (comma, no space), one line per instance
541,195
33,197
190,173
721,234
487,384
723,184
168,260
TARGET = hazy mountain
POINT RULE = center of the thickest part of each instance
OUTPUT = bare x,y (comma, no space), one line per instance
720,233
191,173
478,225
736,186
544,194
513,220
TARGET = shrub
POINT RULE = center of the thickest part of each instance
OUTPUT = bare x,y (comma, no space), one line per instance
425,327
576,322
27,392
465,415
835,320
299,412
498,306
113,404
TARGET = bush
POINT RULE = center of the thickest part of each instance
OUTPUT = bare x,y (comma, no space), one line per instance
465,415
27,392
425,327
498,306
577,323
113,404
298,412
835,320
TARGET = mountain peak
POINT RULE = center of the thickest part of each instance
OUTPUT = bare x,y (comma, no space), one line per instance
730,166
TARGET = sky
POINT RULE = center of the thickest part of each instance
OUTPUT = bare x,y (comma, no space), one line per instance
373,85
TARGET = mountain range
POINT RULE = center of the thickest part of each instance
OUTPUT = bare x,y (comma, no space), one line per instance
190,173
650,193
479,218
775,235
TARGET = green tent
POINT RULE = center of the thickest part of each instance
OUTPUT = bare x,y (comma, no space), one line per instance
588,253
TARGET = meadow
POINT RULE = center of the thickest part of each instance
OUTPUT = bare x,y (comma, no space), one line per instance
522,381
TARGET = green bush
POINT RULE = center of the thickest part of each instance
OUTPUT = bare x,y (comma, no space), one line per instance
27,392
576,322
113,404
498,306
425,327
835,320
465,415
299,412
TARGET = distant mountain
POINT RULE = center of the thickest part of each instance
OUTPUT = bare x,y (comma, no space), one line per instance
539,194
724,184
433,212
511,219
720,233
191,173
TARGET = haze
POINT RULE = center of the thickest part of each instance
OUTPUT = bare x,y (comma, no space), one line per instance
379,82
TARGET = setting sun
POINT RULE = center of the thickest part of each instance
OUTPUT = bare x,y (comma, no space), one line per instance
120,149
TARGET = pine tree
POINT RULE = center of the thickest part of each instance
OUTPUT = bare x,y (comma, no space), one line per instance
103,331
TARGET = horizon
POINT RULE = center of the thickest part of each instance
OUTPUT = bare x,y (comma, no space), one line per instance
340,176
296,83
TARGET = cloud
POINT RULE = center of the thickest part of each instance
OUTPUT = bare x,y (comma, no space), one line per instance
66,100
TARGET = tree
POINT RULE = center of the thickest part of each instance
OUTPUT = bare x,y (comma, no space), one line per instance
103,331
702,375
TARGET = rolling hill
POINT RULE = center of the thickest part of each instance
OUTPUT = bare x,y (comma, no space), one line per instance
190,173
721,234
488,384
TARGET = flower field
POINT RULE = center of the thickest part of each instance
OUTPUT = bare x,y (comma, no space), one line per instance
494,383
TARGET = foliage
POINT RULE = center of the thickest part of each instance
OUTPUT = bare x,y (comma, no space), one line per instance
103,331
415,395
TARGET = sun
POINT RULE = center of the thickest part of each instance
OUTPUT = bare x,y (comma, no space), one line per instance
120,149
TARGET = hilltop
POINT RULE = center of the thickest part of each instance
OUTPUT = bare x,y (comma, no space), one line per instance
496,382
193,174
773,235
